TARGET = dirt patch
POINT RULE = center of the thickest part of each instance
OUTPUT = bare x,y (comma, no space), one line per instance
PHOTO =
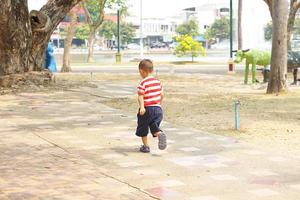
206,102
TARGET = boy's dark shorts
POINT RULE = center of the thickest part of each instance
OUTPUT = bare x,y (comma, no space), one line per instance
151,119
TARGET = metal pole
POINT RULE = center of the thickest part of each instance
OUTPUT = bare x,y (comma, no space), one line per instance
118,54
236,111
141,31
230,62
118,29
231,29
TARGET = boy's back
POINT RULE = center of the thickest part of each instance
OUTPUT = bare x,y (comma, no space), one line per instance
151,88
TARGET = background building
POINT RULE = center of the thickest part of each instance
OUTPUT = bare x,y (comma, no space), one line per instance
154,29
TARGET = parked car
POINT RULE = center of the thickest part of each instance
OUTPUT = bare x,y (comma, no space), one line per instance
158,45
133,46
115,47
173,45
98,48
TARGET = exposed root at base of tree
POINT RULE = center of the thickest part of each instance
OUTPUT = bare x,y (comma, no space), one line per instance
38,81
38,78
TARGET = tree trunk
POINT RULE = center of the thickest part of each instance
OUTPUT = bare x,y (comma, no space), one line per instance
15,39
294,6
277,81
68,43
240,31
24,36
94,27
91,42
54,11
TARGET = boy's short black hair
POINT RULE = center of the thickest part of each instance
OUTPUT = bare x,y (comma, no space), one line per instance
147,65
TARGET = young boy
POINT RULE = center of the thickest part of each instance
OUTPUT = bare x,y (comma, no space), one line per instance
150,115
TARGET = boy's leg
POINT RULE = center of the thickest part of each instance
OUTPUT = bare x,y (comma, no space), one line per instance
142,131
156,131
145,141
145,148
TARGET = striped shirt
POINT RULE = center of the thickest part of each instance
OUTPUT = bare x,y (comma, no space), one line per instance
151,89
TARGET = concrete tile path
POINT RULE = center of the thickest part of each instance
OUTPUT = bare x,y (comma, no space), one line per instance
67,145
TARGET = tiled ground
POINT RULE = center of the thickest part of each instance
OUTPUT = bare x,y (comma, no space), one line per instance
67,145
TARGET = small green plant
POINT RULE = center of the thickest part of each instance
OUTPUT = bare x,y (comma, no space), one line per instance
188,46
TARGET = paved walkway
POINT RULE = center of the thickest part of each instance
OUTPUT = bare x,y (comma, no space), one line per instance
67,145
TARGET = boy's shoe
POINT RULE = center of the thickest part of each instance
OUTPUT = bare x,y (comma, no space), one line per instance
144,149
162,141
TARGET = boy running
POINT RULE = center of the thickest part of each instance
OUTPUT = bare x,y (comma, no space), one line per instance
150,115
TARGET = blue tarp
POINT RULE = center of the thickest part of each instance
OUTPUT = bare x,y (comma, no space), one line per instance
199,39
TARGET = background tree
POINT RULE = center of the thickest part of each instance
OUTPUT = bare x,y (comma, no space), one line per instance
293,9
66,67
297,26
82,32
279,14
94,10
127,32
220,28
268,31
189,28
108,30
209,37
188,46
24,36
240,31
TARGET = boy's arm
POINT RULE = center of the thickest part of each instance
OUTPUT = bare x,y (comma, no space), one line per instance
162,95
141,104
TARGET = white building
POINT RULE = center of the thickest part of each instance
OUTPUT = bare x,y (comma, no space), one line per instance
155,29
255,16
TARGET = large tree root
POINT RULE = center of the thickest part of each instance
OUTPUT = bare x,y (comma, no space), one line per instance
30,78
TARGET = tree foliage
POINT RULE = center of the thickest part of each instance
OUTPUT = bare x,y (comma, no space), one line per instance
297,26
189,28
188,46
108,30
127,32
82,32
220,28
268,31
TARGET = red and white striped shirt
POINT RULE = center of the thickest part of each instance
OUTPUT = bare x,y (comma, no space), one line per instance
151,88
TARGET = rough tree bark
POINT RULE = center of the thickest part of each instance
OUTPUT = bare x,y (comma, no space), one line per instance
240,30
55,11
94,27
294,7
68,43
277,81
24,36
91,42
14,44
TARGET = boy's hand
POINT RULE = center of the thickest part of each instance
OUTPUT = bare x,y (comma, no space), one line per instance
142,111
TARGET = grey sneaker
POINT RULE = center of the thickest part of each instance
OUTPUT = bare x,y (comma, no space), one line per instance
144,149
162,141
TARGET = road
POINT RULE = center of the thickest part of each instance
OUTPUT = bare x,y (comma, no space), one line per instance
108,57
161,68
